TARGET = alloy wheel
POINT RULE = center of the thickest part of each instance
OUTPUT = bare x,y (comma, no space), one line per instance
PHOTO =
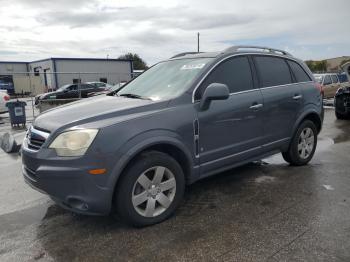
154,191
306,143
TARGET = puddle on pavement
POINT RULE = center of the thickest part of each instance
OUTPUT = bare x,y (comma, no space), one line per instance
265,179
22,218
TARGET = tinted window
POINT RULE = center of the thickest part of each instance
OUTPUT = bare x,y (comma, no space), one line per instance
334,79
327,80
298,71
234,72
84,86
273,71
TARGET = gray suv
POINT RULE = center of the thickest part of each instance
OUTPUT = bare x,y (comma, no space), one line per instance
133,151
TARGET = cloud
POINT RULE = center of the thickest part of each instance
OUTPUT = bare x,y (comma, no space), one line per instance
34,29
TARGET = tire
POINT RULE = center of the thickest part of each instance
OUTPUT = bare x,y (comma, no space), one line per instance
339,116
165,182
303,144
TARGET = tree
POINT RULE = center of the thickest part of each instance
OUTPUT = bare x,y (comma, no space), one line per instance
138,62
317,66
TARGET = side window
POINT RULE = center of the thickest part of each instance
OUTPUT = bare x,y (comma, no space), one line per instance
299,72
84,86
327,80
234,72
334,79
73,87
273,71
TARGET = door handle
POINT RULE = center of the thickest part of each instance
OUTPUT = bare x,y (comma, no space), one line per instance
297,97
256,106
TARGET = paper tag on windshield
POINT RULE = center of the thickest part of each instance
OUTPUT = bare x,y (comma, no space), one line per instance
193,66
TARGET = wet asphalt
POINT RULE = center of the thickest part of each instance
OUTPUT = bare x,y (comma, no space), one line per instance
266,211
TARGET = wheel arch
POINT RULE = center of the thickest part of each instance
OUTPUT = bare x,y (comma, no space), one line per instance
311,115
166,144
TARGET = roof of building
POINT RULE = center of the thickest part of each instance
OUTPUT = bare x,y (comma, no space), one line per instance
66,58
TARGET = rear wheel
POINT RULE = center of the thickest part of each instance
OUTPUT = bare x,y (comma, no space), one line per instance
150,189
303,145
340,116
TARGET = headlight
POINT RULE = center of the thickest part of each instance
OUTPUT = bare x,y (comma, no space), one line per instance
74,143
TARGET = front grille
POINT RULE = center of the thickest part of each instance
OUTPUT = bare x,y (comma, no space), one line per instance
36,138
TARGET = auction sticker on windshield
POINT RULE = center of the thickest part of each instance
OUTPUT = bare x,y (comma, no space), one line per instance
192,66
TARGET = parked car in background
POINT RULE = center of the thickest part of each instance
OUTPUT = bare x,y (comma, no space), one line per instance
342,98
7,86
69,91
134,150
99,84
330,83
4,98
343,79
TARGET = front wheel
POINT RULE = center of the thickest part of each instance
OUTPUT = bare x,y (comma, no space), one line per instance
303,145
150,189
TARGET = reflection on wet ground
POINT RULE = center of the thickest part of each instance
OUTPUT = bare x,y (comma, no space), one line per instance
265,210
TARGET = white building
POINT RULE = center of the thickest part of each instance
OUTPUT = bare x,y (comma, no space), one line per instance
53,73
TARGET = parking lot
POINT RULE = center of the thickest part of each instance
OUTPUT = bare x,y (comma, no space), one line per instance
266,211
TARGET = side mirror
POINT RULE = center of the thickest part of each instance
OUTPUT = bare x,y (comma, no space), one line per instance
214,91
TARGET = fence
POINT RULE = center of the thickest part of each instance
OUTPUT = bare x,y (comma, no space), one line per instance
32,84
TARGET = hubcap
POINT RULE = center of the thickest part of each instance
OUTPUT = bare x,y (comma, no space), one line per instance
306,143
154,191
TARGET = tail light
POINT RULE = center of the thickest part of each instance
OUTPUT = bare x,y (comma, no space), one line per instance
6,98
320,88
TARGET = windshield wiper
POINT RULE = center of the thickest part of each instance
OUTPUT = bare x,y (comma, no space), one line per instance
135,96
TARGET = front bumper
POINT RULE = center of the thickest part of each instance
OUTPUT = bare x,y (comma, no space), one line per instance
67,182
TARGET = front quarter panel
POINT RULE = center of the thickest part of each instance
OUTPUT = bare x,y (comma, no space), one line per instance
118,144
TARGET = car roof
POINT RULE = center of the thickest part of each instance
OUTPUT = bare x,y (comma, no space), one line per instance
233,50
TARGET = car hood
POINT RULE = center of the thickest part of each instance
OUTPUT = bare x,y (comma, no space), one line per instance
103,109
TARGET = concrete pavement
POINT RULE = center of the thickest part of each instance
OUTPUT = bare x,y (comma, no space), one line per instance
264,211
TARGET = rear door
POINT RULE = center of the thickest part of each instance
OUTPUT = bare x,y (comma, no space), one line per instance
230,130
282,99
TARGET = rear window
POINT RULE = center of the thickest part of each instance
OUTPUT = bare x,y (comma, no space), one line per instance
299,72
273,71
334,79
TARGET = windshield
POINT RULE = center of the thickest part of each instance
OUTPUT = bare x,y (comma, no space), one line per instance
62,88
166,79
319,79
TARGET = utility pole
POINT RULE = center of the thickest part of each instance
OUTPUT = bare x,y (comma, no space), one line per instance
198,42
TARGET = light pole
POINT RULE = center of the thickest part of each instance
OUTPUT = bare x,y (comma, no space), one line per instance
198,42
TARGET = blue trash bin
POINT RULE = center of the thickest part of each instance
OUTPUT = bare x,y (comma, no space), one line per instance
17,112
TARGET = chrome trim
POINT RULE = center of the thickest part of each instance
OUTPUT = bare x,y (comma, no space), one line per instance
297,97
269,87
245,54
26,140
257,106
40,133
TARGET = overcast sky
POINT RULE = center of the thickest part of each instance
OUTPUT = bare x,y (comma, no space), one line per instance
158,29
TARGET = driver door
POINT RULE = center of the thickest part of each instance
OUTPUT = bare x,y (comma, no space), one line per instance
231,130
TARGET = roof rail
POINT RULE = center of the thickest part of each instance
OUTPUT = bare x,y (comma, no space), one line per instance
185,53
263,48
